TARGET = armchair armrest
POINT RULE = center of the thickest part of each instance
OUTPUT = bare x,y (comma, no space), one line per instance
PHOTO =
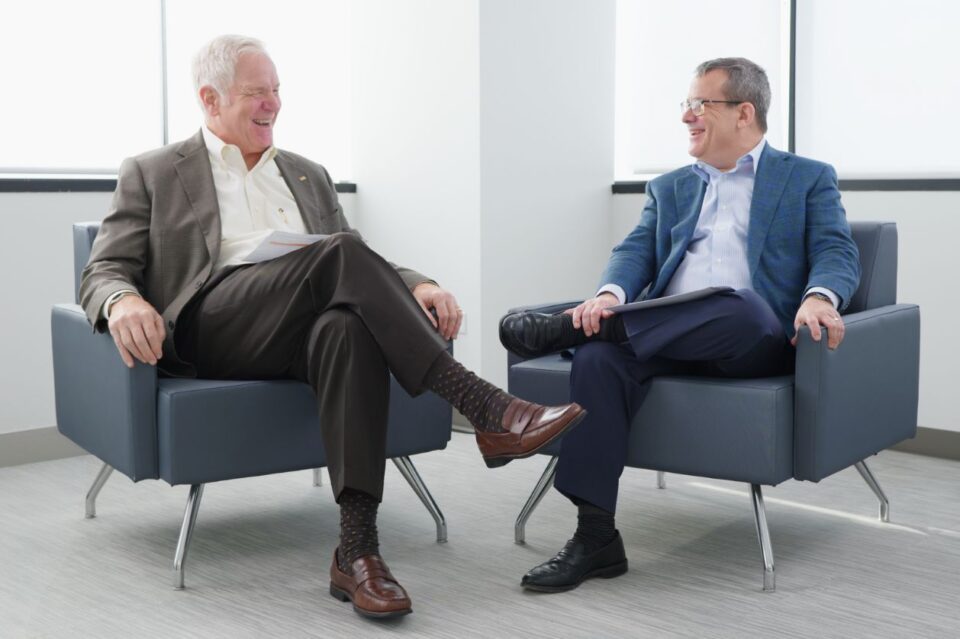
106,408
861,398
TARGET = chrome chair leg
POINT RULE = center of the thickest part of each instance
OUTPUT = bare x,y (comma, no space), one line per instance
543,485
317,477
186,533
875,487
661,479
409,472
763,534
98,482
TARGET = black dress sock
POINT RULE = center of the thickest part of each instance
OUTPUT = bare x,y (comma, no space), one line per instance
596,527
482,403
358,527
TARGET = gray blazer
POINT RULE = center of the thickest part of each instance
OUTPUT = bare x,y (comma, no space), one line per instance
162,233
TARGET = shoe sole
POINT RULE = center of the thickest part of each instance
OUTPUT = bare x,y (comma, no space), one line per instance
607,572
502,460
342,595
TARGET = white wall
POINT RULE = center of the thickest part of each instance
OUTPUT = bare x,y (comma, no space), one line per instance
416,144
483,135
546,145
36,269
928,224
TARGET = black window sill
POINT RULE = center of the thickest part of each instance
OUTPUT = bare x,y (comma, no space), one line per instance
933,184
81,185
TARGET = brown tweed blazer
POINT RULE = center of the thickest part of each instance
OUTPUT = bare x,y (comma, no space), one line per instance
162,233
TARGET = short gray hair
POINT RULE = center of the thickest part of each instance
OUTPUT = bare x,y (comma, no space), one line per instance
746,82
215,64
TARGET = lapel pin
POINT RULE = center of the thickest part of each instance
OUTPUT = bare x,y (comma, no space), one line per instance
303,178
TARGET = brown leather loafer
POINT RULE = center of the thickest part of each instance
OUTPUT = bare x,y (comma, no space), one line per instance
529,427
372,588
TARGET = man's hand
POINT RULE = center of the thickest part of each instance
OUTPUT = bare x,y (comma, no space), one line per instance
449,316
589,313
137,330
816,312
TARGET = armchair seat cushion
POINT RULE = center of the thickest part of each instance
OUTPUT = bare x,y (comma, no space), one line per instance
736,429
211,430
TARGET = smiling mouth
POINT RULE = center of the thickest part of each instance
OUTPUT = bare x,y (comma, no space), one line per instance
263,123
695,133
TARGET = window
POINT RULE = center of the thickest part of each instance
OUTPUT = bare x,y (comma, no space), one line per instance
659,44
877,87
86,79
81,93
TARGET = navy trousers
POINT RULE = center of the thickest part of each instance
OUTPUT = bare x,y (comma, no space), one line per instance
733,334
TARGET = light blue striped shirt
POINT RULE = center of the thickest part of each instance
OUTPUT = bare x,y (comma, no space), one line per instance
717,253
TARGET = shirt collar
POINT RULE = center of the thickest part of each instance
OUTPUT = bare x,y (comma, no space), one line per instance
229,154
747,162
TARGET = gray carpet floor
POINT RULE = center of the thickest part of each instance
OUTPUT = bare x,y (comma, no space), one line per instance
263,546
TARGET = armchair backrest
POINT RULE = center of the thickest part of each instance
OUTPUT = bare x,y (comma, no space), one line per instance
83,235
877,242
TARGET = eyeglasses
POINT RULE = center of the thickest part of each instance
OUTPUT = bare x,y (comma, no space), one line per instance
696,105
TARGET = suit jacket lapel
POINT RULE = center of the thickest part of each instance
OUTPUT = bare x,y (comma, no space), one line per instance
689,192
196,176
771,178
298,179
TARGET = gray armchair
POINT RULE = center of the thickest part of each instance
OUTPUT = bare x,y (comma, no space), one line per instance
839,407
196,431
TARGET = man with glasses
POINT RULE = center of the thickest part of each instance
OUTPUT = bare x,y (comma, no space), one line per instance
766,225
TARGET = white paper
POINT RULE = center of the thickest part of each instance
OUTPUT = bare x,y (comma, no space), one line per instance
279,243
669,300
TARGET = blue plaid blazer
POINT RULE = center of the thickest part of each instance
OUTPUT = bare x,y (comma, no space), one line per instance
798,235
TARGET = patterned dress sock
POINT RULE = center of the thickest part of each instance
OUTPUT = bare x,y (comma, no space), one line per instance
358,527
482,403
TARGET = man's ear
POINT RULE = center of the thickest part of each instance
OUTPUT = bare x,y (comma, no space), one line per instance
210,100
747,114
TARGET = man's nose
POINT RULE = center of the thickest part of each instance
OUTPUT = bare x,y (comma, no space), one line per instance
687,116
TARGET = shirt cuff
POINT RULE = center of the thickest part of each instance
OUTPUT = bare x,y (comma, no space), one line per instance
616,290
834,298
105,311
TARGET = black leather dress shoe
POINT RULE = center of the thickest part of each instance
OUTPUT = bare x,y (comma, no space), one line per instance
533,334
572,565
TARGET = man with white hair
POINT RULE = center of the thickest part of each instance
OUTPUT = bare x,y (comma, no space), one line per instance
168,277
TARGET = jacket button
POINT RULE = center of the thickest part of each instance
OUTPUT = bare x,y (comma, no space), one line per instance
199,284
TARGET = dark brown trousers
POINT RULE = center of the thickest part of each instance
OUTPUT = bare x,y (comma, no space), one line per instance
335,315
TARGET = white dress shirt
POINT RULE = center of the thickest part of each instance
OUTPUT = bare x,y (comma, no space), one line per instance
252,202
